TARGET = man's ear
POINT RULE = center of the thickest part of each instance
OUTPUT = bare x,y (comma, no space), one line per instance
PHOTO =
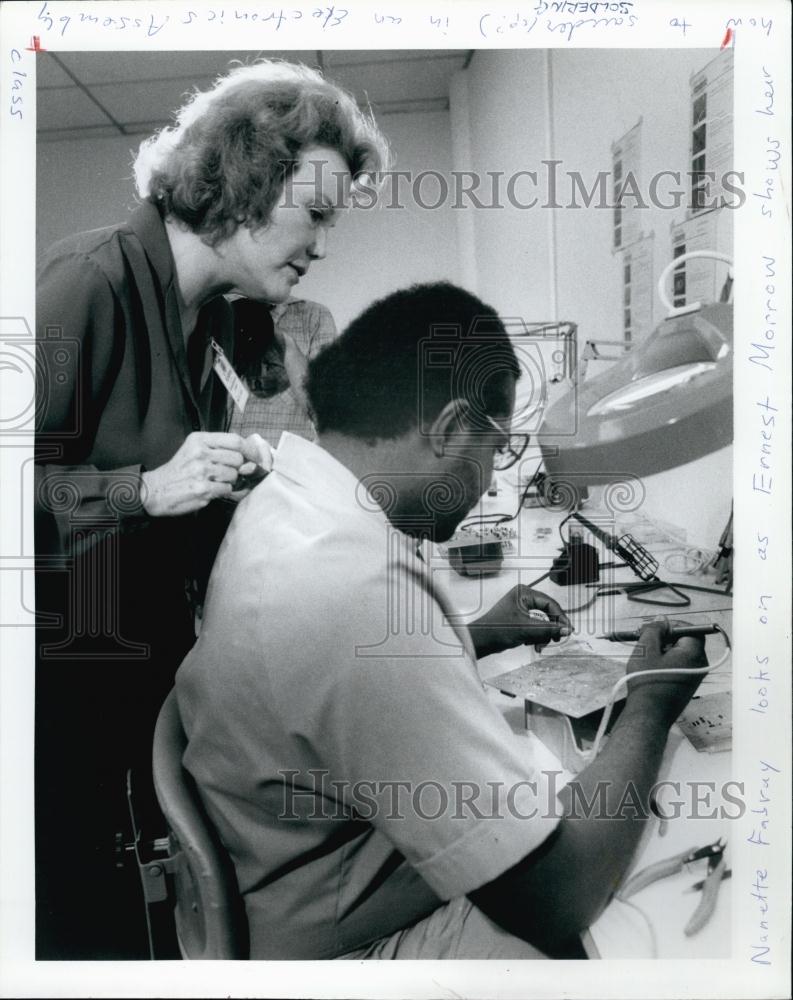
449,426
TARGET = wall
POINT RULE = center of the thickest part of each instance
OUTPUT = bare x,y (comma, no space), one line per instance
82,184
505,95
596,97
85,184
375,251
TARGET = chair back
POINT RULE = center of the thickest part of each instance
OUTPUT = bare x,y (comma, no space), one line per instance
209,911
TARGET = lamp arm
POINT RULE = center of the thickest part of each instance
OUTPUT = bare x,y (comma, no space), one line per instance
591,352
676,261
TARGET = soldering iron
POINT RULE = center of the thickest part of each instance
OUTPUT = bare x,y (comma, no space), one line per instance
672,633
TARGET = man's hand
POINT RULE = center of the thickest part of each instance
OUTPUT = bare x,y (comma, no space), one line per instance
510,622
203,469
588,856
668,692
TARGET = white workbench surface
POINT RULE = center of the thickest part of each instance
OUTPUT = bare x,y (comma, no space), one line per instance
621,931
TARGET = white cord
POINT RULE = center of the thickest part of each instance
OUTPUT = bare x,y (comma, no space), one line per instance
646,919
688,672
688,560
681,259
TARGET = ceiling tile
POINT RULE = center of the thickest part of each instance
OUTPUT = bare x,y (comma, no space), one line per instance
122,67
153,101
143,89
348,57
49,73
67,108
82,133
396,80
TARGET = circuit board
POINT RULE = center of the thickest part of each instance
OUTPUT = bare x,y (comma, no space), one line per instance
707,722
479,536
573,685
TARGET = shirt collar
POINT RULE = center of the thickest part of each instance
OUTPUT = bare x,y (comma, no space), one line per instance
277,310
308,464
147,224
214,317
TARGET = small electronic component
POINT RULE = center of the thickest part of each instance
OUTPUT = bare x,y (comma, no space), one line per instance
478,559
578,563
707,722
477,533
479,551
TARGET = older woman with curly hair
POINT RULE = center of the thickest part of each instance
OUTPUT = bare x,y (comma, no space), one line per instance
132,445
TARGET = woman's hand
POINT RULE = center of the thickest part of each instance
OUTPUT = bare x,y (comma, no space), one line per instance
510,622
259,462
203,469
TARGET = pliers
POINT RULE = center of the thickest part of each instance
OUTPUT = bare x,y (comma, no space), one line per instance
710,890
671,866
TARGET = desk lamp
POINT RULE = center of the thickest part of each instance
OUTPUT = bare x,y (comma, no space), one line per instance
666,403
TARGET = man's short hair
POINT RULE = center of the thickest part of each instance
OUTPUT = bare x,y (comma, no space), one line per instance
405,357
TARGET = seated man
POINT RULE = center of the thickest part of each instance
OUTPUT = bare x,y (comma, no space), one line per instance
374,800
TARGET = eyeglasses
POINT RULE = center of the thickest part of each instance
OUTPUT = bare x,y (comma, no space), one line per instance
511,450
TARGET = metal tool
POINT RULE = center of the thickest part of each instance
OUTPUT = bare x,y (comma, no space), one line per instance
726,874
710,892
676,632
642,562
671,866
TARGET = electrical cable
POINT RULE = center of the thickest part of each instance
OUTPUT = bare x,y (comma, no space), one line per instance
562,523
539,579
685,602
687,560
633,588
626,678
647,921
680,259
705,590
497,517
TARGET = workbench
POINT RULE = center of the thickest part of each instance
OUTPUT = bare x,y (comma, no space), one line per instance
656,929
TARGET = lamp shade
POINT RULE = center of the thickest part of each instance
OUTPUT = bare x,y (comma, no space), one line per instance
667,402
